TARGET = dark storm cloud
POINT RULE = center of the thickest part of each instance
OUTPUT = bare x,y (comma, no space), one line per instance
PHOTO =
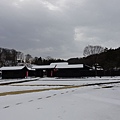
59,29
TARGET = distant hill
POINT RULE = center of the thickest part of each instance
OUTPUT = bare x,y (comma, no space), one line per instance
110,59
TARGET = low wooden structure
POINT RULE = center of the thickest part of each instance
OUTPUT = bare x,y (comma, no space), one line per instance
62,69
76,70
43,70
16,72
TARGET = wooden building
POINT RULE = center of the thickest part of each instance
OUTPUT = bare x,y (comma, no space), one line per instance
15,72
65,70
62,69
74,70
43,70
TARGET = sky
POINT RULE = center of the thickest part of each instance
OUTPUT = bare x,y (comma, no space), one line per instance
59,28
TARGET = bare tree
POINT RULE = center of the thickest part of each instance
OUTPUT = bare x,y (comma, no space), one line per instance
91,50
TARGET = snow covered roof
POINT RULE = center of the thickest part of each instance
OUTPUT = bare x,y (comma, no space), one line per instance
12,68
42,67
58,66
59,63
70,66
66,65
30,68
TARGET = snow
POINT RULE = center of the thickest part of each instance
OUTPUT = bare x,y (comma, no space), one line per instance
73,81
66,65
70,66
59,63
2,81
43,67
12,68
15,68
58,66
97,102
24,87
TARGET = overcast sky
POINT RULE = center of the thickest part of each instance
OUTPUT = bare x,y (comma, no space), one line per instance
59,28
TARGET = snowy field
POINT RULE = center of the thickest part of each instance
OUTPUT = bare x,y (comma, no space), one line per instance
96,102
2,81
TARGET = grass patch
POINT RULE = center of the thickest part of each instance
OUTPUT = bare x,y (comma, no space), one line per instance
32,91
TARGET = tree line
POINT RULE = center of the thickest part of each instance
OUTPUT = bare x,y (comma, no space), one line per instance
11,57
108,59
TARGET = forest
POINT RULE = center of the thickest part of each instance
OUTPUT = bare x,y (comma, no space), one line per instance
108,59
12,57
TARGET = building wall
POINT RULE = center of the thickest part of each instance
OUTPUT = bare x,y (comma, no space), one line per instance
69,73
31,73
10,74
39,73
76,72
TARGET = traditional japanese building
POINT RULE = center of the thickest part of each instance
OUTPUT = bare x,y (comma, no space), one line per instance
62,69
16,72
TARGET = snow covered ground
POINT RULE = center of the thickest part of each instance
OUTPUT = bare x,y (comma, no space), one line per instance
2,81
98,102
